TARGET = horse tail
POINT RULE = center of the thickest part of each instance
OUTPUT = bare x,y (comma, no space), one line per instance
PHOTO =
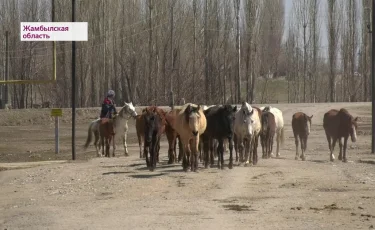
89,136
282,136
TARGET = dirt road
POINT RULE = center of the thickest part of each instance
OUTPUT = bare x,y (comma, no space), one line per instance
120,193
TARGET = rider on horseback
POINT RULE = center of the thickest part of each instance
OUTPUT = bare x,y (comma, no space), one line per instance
108,106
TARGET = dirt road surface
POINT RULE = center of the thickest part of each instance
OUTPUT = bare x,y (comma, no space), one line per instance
120,193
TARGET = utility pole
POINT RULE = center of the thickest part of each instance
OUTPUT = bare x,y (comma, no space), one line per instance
373,77
171,98
195,47
105,49
73,88
6,91
304,62
238,53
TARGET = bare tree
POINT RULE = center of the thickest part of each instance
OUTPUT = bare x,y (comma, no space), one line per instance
333,26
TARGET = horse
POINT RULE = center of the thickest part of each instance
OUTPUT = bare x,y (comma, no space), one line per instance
280,138
337,125
219,126
107,133
172,137
257,125
247,126
190,122
301,124
243,129
140,129
154,120
267,133
125,113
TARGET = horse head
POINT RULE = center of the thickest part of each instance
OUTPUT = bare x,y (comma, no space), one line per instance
353,130
243,119
128,109
229,113
308,123
192,116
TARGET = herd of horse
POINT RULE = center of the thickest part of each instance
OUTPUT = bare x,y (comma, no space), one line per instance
203,131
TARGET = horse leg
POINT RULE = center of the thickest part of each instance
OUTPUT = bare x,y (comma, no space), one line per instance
113,145
340,146
124,137
186,155
304,140
255,150
205,151
344,159
220,150
181,149
102,144
334,139
145,152
107,146
235,146
296,142
171,146
248,151
140,144
97,143
264,147
230,143
278,138
195,154
157,151
212,151
240,149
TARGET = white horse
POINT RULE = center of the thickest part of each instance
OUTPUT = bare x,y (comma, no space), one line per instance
126,112
243,129
279,120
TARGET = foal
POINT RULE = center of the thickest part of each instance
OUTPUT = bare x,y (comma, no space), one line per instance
301,124
338,125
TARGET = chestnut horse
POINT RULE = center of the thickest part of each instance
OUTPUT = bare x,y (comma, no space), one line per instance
154,127
301,125
190,122
107,133
337,125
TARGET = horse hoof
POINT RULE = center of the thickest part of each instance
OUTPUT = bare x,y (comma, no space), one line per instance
340,157
230,166
296,158
345,160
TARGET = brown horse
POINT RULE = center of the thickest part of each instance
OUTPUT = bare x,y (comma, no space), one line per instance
172,137
154,121
140,129
267,133
107,133
301,124
190,122
337,125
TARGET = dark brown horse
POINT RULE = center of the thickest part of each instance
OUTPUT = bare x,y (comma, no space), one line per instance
267,133
107,133
301,125
154,121
220,121
337,125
